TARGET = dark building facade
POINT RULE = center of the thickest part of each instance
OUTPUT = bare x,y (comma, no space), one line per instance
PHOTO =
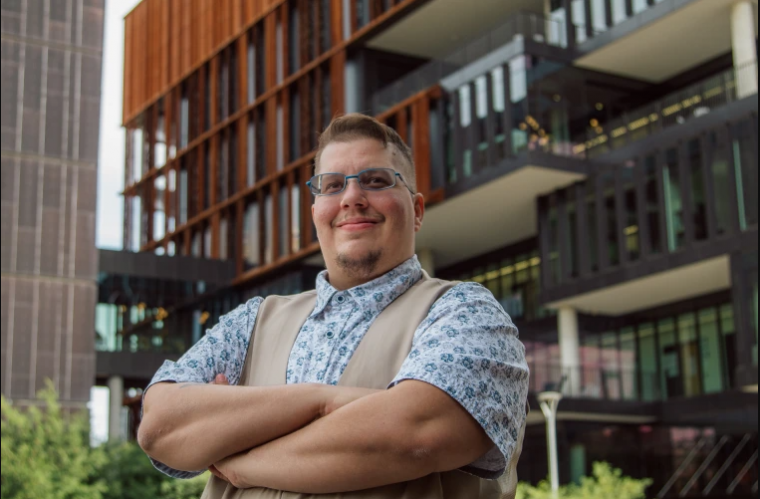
51,79
591,162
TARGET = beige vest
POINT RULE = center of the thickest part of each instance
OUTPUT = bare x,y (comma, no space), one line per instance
375,364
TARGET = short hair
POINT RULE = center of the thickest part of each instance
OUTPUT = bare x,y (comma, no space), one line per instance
359,126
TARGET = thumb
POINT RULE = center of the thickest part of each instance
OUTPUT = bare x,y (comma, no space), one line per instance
221,379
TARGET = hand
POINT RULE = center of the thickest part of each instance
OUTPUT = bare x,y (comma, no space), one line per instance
227,470
220,379
340,396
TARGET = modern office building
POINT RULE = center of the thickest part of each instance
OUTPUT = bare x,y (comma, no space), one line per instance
592,162
51,79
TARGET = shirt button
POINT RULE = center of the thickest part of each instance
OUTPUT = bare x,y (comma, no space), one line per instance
341,299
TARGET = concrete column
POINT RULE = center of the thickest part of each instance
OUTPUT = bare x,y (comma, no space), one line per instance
745,51
427,260
116,401
570,351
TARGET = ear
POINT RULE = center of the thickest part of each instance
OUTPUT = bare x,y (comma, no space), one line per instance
419,211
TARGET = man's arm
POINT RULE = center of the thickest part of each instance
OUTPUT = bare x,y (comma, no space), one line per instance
189,426
398,435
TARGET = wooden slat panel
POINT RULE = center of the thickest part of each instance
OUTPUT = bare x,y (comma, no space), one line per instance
421,120
338,82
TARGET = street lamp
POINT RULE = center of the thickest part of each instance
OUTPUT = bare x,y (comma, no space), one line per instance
549,405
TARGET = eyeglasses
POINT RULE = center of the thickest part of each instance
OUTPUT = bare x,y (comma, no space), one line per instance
372,179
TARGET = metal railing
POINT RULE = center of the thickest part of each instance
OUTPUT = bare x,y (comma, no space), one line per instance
522,26
678,108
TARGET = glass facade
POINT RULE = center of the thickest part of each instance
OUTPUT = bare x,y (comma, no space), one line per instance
690,192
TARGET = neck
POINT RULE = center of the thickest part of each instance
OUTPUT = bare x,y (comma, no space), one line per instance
342,278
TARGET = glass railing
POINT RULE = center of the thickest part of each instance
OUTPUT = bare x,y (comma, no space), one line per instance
676,109
596,383
523,26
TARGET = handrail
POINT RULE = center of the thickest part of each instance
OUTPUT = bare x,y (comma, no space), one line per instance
675,109
523,25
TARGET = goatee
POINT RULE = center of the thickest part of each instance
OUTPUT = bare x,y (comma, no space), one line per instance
362,267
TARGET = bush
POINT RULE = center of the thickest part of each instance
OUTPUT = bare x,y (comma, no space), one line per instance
606,483
47,455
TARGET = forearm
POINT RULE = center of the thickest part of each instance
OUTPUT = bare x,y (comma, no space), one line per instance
395,436
351,449
190,427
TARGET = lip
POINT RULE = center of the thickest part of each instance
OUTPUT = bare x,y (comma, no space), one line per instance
357,224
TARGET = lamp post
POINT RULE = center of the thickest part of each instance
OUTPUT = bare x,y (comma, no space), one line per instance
549,405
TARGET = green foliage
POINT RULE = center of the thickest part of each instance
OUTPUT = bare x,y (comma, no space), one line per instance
47,454
605,483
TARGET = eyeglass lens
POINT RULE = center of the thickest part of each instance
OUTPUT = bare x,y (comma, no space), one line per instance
374,179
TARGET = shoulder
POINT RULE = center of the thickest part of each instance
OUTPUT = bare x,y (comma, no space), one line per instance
468,293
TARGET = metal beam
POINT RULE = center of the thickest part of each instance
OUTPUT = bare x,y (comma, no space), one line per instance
726,465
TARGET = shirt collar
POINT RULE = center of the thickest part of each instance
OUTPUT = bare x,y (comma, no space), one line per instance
376,294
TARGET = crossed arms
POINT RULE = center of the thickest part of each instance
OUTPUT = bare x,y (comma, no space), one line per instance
310,438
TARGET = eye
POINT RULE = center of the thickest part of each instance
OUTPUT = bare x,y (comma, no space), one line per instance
376,181
332,187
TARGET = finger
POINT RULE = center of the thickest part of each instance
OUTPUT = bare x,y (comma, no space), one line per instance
215,471
221,379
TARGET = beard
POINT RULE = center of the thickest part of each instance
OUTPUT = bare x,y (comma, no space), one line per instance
362,267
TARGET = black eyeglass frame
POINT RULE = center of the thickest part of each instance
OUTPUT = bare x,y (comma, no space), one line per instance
311,182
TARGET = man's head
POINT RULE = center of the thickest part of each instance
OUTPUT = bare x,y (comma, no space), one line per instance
365,233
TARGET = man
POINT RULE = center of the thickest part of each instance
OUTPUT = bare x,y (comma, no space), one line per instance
382,383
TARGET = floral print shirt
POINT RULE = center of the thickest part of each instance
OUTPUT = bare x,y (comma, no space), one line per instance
467,346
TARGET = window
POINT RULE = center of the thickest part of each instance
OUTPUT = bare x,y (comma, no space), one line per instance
648,362
207,98
207,242
159,149
184,118
250,160
611,363
282,221
555,265
159,213
465,120
280,137
261,145
744,159
362,13
721,182
251,56
171,211
137,143
294,39
728,329
326,96
136,228
711,351
268,229
232,162
610,206
653,204
699,199
631,229
628,362
687,333
183,196
223,239
672,386
673,201
593,227
295,214
222,169
251,237
325,37
207,175
279,51
295,124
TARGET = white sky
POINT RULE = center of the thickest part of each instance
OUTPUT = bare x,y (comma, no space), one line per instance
112,138
111,169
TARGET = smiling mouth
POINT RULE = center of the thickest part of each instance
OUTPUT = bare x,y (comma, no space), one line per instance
357,226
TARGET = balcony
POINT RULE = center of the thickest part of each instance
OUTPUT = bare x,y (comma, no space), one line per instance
617,32
517,35
693,102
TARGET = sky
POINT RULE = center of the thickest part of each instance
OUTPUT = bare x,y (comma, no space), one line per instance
112,135
111,169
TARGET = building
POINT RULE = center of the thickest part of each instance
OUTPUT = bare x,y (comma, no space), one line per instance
592,162
51,67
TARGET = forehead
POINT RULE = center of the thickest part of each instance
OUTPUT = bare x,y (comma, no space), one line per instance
355,155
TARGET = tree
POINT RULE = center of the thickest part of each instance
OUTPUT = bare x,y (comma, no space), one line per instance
605,483
47,455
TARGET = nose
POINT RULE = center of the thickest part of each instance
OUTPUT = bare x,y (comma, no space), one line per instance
353,195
